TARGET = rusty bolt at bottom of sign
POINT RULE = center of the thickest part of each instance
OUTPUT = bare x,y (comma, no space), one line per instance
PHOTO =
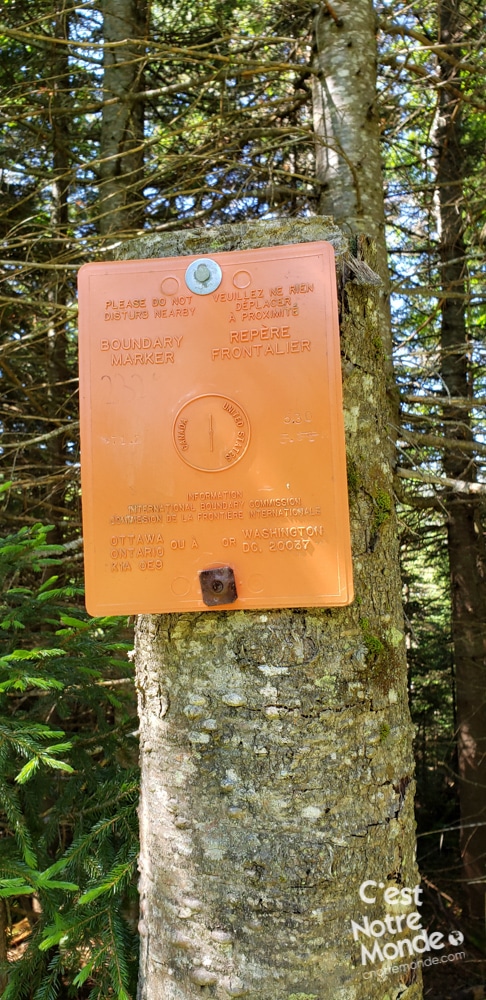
218,586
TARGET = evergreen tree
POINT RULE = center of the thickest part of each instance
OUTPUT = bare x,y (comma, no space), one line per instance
437,215
203,113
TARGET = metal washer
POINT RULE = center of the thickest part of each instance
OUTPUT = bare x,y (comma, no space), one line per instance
203,276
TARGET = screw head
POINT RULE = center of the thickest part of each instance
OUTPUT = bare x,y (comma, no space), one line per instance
202,273
203,276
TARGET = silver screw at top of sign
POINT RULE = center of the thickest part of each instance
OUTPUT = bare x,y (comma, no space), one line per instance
203,276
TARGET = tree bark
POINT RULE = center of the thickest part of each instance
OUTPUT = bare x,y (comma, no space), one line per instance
276,745
121,206
467,558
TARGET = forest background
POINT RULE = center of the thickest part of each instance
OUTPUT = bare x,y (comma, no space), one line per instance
118,118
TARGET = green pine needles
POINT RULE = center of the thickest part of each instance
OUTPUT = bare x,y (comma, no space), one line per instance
68,785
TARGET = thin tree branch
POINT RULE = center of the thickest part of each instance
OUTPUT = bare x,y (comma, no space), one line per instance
457,485
20,444
454,401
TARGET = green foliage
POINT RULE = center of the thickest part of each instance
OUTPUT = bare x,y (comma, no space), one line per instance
69,782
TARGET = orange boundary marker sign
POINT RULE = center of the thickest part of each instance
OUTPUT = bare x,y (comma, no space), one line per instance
213,459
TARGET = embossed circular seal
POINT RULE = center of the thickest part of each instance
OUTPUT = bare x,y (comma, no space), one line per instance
211,433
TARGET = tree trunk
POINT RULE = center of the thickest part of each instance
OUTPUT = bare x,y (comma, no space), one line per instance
121,206
276,745
4,927
465,532
348,150
348,155
59,291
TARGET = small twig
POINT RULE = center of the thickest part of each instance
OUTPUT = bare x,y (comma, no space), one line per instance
338,20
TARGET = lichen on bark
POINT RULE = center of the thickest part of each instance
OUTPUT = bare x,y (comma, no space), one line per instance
276,758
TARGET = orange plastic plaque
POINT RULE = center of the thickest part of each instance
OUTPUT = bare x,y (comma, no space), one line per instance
212,434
